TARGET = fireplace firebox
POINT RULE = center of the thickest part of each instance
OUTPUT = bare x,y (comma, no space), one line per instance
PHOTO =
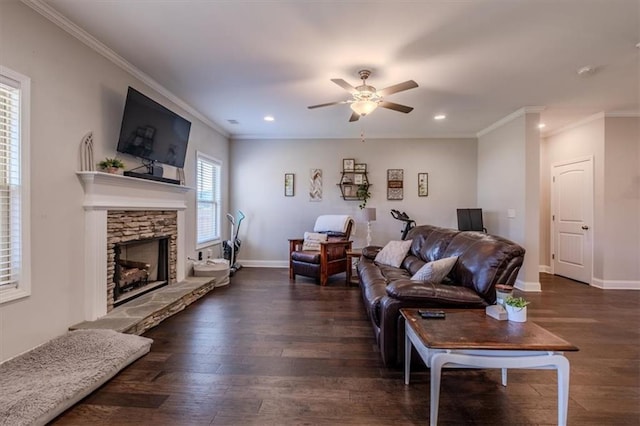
140,267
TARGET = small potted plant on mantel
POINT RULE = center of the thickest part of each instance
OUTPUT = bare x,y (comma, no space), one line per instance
111,165
516,308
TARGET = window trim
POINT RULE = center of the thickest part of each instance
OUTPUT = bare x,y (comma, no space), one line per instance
24,286
218,163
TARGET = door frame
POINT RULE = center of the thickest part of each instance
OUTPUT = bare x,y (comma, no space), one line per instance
552,227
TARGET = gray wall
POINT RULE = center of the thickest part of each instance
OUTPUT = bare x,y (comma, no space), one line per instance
509,179
614,143
257,187
73,90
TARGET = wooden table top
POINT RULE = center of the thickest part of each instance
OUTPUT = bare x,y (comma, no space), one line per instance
473,329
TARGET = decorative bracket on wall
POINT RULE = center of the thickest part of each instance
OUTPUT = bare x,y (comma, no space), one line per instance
87,163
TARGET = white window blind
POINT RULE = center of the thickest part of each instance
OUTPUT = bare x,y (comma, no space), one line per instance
10,184
208,199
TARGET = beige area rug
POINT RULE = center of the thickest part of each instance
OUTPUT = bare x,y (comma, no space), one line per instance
38,385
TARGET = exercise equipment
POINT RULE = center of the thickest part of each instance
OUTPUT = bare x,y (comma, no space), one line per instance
403,217
232,247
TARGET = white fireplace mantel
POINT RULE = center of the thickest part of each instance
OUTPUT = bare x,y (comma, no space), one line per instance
117,192
104,192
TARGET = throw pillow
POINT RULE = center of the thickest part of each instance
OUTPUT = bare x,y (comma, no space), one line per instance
435,271
312,240
393,253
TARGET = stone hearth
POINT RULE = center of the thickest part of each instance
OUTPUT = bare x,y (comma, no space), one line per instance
139,315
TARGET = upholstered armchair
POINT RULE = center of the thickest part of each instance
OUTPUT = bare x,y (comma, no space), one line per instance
321,253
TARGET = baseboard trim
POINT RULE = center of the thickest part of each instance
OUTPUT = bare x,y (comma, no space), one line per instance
531,286
615,284
545,269
264,263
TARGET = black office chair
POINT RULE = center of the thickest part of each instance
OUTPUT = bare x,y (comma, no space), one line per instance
470,220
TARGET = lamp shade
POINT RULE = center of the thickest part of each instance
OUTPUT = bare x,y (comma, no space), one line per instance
363,107
369,214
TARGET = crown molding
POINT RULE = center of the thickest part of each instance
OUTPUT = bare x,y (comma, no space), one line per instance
581,122
597,116
519,113
622,114
61,21
252,136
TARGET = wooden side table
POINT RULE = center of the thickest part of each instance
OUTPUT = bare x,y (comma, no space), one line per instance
352,254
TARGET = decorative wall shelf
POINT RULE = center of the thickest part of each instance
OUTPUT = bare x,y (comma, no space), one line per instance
354,183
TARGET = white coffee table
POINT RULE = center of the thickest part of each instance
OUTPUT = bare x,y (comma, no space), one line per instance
470,339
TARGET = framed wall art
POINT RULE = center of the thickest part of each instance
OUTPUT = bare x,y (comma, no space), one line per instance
395,187
315,185
423,184
348,164
360,167
288,184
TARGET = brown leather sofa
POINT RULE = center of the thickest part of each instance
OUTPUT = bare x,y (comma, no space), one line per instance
483,261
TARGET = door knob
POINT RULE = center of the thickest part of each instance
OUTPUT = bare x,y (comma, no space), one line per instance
585,227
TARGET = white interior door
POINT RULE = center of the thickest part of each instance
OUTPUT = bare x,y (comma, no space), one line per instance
572,219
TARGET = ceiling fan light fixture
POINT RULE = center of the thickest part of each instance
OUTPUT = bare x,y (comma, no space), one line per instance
363,107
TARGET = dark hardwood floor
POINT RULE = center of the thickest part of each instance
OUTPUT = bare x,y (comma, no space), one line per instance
264,351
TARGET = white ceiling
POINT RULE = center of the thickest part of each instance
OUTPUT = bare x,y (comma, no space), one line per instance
476,61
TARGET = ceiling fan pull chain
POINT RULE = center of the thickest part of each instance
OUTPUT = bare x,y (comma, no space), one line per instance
362,136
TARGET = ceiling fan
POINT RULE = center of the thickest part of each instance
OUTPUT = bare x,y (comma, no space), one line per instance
366,98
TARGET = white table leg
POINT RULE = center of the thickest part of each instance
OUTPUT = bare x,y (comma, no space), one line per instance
437,361
562,364
407,358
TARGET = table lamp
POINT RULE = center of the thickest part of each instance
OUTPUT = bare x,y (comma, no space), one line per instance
369,215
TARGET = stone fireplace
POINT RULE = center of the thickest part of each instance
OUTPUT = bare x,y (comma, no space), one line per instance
141,253
118,211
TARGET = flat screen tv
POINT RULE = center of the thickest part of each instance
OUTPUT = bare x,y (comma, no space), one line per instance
470,220
152,132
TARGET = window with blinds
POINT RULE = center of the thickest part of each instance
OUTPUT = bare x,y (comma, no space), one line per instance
14,281
207,199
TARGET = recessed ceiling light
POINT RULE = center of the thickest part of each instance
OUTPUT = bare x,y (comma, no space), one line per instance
268,118
439,117
586,71
541,126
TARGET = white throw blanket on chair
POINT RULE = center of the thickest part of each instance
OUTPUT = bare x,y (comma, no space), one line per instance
333,223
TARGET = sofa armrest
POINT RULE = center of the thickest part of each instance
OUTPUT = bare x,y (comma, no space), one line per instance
370,252
444,295
334,250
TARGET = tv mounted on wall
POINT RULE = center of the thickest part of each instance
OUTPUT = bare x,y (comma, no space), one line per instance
152,132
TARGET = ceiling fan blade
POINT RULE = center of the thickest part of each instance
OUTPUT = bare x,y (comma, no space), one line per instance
346,86
395,107
354,117
327,104
410,84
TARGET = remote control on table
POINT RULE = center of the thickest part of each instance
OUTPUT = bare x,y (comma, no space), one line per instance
431,314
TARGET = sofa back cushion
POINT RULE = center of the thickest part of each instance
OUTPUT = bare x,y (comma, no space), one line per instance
430,242
483,261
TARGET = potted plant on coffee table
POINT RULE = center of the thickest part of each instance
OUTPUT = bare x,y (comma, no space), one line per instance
516,308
